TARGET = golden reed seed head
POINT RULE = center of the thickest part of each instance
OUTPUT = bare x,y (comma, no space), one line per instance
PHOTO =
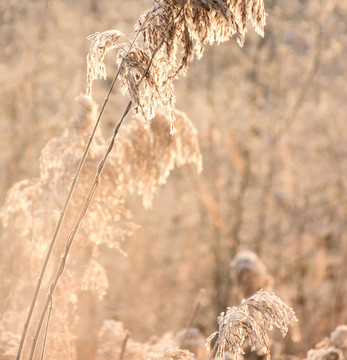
171,33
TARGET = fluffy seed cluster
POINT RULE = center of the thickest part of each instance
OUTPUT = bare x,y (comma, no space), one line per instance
156,153
249,322
100,44
167,37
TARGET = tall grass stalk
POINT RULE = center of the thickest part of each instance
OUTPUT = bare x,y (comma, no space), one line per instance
74,231
60,222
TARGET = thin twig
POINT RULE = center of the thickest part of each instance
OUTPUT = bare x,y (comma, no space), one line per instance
46,330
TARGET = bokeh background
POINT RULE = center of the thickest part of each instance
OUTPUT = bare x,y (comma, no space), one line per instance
271,121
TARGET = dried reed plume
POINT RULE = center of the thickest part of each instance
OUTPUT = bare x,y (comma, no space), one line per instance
248,324
156,152
100,44
142,162
173,31
27,213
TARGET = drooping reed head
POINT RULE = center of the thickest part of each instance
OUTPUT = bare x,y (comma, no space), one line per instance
249,324
167,37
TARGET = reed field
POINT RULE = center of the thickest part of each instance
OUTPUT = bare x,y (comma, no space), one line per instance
173,180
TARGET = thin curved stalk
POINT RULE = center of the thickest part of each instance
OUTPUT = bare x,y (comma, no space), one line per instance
60,222
74,231
46,331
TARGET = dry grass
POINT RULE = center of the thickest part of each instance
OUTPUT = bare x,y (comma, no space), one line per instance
282,197
249,323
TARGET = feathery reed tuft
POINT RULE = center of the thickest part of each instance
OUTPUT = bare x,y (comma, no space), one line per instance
173,31
249,322
156,153
100,45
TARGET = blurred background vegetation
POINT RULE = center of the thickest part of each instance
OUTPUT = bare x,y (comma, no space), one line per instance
271,119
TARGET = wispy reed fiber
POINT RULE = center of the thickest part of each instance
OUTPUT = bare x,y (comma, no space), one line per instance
175,31
100,45
248,324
